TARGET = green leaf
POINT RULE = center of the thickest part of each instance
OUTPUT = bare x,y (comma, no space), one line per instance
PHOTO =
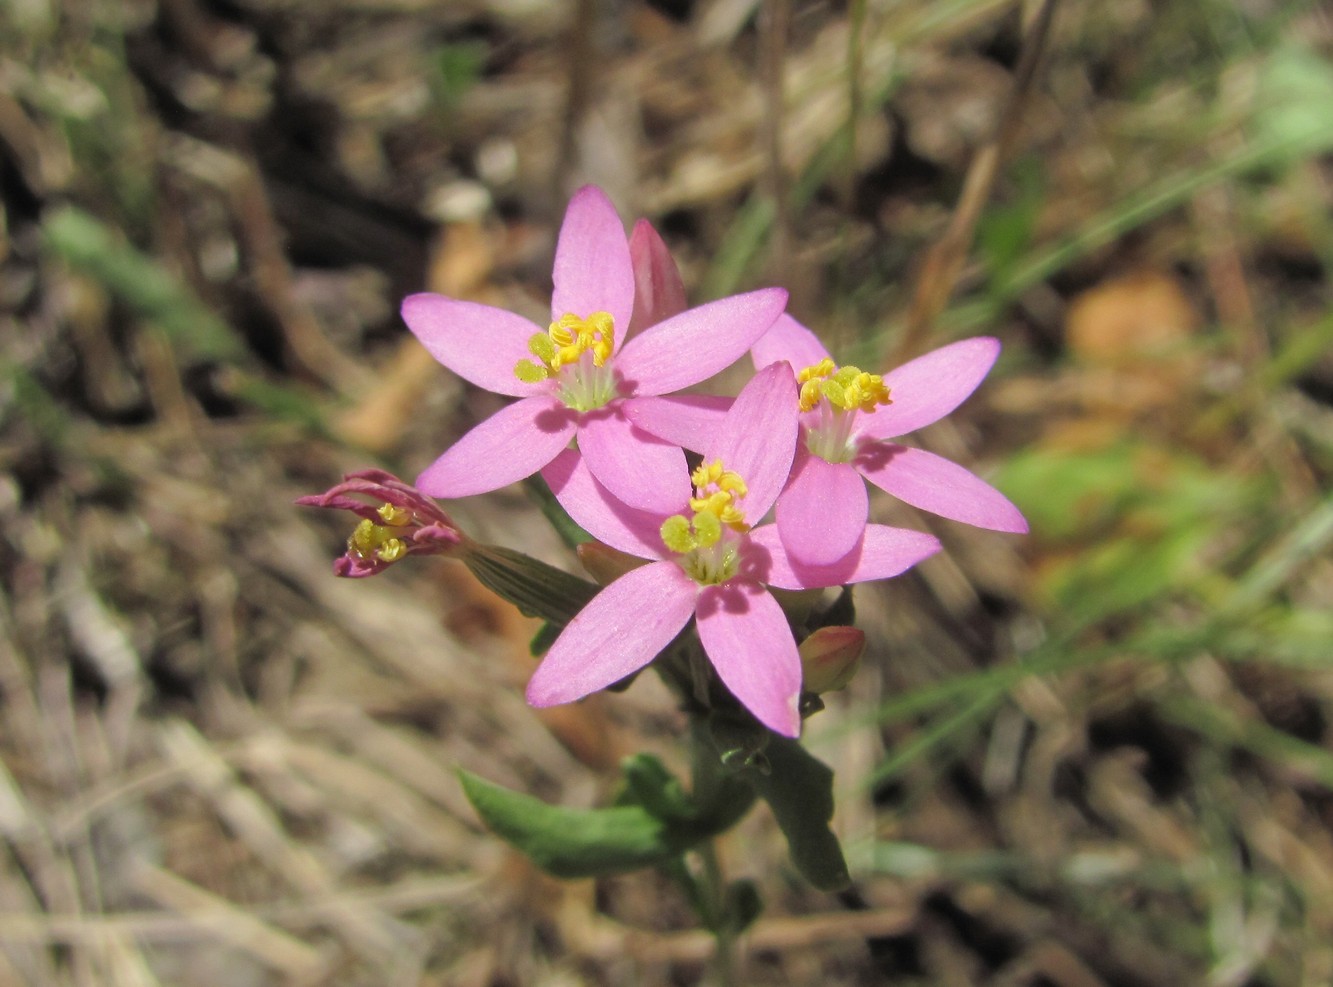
592,842
576,842
799,788
651,786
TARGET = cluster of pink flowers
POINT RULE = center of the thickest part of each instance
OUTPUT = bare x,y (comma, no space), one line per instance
597,414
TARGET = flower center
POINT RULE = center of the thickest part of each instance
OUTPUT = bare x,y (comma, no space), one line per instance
380,542
707,542
838,393
574,352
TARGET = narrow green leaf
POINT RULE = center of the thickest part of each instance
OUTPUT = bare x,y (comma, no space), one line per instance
591,842
575,842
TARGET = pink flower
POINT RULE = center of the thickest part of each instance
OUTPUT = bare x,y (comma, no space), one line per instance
576,378
402,523
848,419
707,562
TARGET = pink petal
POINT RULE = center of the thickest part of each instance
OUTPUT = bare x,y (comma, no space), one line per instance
659,292
598,513
592,270
931,386
512,444
788,340
623,628
644,472
883,552
938,485
696,344
686,420
749,642
757,439
822,511
480,343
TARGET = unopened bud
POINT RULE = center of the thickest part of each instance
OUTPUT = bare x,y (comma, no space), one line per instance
830,657
659,292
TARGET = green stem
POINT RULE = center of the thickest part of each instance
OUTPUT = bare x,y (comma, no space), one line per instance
711,902
714,887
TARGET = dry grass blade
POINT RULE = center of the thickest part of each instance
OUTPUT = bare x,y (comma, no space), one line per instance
370,933
298,962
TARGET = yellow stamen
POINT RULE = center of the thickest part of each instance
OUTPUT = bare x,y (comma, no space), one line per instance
392,550
846,388
574,336
394,516
716,491
567,339
371,541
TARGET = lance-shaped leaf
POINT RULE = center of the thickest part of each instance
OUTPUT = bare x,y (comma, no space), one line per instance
575,842
592,842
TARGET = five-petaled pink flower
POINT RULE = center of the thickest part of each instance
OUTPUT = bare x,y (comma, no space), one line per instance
707,562
579,377
848,419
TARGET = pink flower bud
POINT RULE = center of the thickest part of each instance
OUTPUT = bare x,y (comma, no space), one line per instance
830,657
659,292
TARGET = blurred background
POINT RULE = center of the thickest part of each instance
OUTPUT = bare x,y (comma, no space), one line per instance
1095,756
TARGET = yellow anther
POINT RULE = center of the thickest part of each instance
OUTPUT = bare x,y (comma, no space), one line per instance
824,368
716,491
371,541
573,336
846,388
567,339
394,516
716,475
392,550
812,381
860,389
713,503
